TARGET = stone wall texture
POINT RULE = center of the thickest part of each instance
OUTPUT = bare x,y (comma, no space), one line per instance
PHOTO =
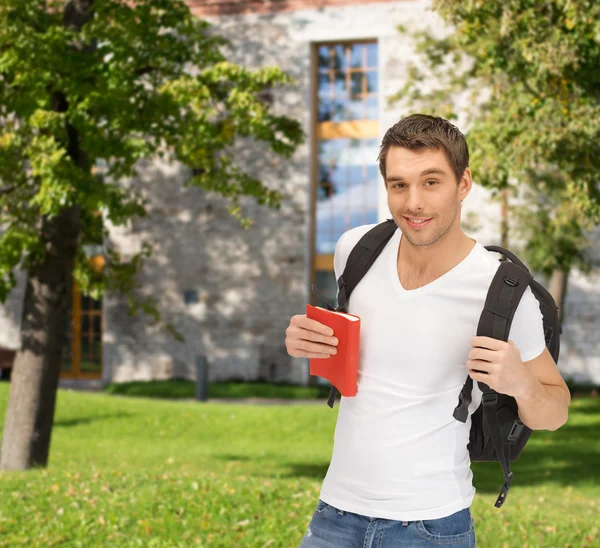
231,292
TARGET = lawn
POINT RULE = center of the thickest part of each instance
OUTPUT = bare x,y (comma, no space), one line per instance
184,389
142,472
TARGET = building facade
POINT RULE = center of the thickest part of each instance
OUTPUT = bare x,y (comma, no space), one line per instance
231,292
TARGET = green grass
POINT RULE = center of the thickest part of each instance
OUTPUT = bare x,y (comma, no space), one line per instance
183,389
140,472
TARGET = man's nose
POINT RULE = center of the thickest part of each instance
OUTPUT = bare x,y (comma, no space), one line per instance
415,201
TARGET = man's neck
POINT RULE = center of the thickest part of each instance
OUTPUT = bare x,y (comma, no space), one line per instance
437,258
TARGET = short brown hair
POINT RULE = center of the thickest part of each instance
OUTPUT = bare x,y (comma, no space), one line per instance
420,131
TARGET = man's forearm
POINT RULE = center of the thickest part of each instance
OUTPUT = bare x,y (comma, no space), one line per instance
544,407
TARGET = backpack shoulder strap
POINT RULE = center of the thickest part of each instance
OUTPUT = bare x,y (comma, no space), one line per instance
503,297
361,258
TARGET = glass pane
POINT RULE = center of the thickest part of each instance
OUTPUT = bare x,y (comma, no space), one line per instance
372,216
97,325
371,108
91,362
324,84
370,151
323,55
356,84
325,109
339,85
371,81
340,62
339,110
334,110
373,169
85,325
355,110
356,59
85,348
95,350
372,60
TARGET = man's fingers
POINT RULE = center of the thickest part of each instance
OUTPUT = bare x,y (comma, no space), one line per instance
309,346
301,353
299,333
313,325
482,354
479,366
307,349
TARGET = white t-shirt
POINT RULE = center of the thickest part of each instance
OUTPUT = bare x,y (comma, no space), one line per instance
398,452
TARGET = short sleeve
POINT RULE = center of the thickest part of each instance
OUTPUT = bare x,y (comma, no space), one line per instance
527,328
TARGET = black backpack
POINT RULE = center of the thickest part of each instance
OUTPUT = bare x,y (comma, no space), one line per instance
497,433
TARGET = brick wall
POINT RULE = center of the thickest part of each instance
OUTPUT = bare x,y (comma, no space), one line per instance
205,8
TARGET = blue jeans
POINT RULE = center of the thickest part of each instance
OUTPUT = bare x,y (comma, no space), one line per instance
334,528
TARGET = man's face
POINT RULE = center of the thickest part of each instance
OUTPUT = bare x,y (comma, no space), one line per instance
421,185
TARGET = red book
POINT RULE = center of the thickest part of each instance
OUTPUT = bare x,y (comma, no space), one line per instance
340,369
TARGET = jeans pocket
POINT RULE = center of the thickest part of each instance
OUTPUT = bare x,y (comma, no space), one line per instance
453,529
323,509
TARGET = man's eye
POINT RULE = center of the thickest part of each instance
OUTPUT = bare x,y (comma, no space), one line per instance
433,182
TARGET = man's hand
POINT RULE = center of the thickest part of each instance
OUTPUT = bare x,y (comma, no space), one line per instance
501,361
306,338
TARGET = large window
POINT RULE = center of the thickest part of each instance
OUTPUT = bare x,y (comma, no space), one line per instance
346,176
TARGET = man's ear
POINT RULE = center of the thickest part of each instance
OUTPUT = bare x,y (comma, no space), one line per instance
465,184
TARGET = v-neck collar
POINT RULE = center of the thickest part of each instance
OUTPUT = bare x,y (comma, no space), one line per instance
406,293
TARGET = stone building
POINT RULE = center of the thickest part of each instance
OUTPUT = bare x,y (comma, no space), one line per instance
231,292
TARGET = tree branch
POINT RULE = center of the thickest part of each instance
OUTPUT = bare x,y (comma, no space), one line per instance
531,90
9,189
145,70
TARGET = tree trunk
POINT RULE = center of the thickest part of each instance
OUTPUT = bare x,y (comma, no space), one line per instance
34,380
558,290
30,413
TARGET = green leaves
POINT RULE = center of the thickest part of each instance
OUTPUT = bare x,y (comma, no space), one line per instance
530,71
138,81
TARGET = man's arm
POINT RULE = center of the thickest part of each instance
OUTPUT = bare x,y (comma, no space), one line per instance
541,393
544,404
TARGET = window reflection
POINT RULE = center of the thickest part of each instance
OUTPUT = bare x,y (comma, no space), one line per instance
347,188
347,80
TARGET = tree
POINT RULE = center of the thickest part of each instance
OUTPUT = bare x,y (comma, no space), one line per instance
527,75
84,82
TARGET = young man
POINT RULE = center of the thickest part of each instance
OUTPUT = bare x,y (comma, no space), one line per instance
400,471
